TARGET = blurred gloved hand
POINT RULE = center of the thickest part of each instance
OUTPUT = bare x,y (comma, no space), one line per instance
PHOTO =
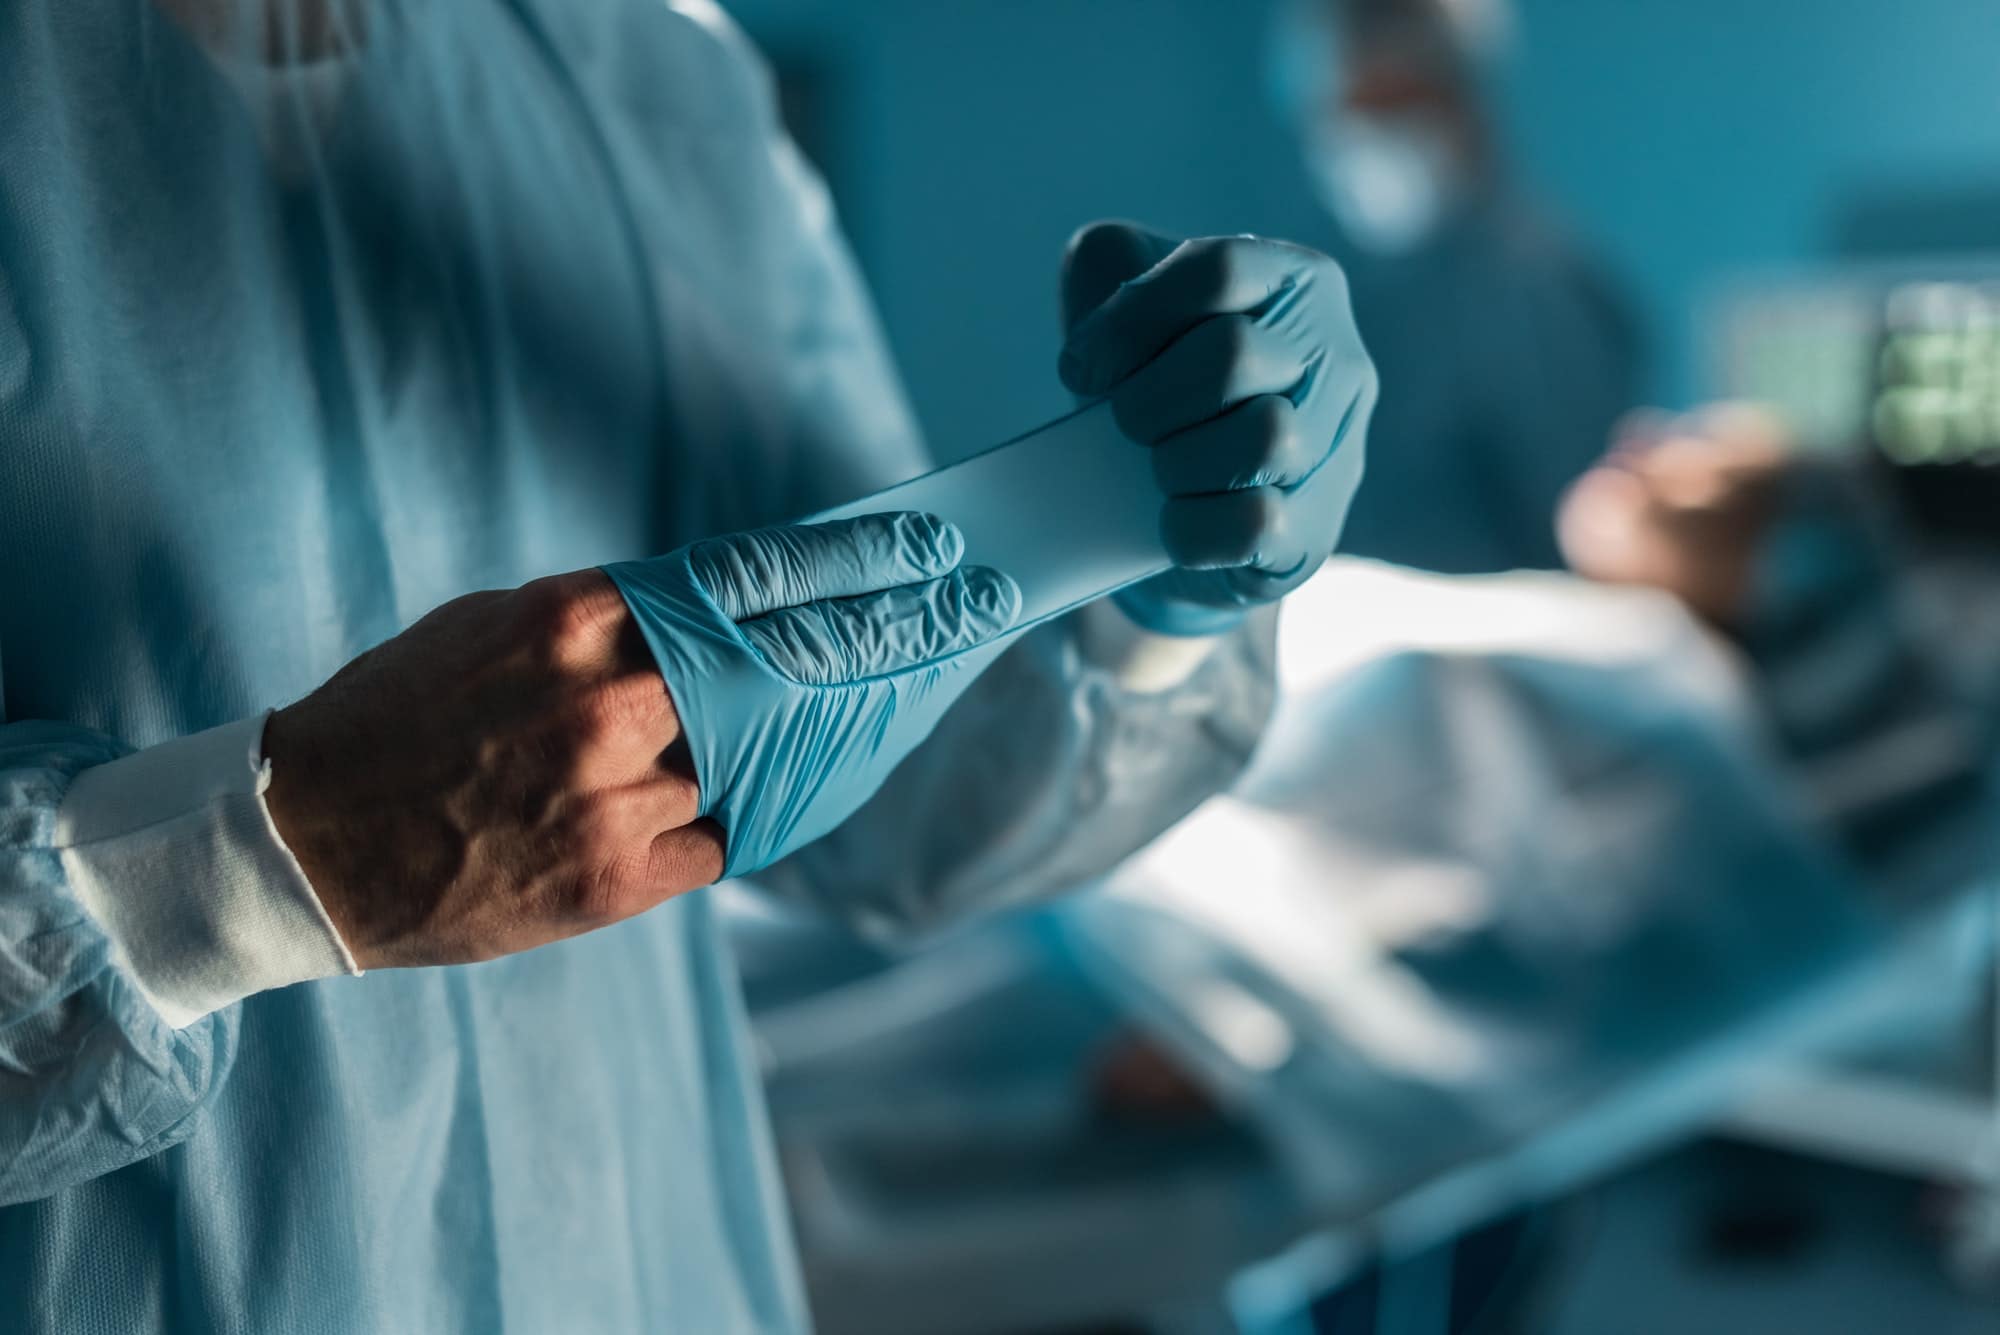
1237,359
806,661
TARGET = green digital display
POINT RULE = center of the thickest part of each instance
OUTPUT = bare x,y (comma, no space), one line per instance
1937,382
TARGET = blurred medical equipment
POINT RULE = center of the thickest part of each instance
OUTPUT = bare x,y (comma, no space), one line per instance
1895,360
1892,368
1504,351
1512,893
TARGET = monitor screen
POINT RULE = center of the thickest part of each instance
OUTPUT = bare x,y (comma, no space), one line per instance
1934,397
1899,360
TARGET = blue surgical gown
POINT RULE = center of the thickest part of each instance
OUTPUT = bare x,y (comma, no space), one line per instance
1506,356
311,317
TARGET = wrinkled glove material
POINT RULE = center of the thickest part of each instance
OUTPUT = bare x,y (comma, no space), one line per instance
807,661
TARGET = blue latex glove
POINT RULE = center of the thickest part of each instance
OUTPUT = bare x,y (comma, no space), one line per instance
806,661
1237,359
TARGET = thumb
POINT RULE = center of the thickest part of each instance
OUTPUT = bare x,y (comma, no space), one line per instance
1099,258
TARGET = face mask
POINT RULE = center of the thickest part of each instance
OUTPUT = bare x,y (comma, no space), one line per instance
1388,183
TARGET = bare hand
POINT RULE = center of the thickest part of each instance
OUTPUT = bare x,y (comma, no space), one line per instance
499,776
1682,504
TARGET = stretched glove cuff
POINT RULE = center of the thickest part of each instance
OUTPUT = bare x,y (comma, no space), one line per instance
1169,616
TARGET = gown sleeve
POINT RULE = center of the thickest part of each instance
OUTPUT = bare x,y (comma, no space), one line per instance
142,896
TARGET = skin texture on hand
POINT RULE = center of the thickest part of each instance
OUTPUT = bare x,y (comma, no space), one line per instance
1682,504
505,773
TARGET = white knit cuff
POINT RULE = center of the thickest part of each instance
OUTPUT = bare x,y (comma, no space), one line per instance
173,852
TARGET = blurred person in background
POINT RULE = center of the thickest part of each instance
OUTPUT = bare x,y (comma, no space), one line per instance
1505,351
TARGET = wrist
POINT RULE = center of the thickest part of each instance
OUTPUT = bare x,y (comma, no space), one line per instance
172,852
293,797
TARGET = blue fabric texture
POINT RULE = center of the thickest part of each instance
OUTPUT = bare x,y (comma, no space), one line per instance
805,662
295,349
313,317
1507,354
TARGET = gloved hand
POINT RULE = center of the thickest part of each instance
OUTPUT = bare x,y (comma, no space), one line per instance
806,661
543,792
1237,359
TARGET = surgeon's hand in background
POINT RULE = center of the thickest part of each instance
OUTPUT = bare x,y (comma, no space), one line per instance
1237,361
512,769
1684,503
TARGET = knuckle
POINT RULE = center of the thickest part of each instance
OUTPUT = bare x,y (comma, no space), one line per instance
591,830
612,893
678,800
538,605
1268,511
1212,259
612,873
573,613
1274,427
1099,245
709,561
1234,336
633,707
1329,272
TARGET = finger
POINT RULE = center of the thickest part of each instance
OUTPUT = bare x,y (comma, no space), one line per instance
1744,425
1211,368
1103,257
1637,431
1212,276
750,574
1232,529
628,814
685,857
618,728
1258,443
850,639
1599,520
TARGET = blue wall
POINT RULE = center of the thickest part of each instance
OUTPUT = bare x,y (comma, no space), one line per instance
1687,139
1692,138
